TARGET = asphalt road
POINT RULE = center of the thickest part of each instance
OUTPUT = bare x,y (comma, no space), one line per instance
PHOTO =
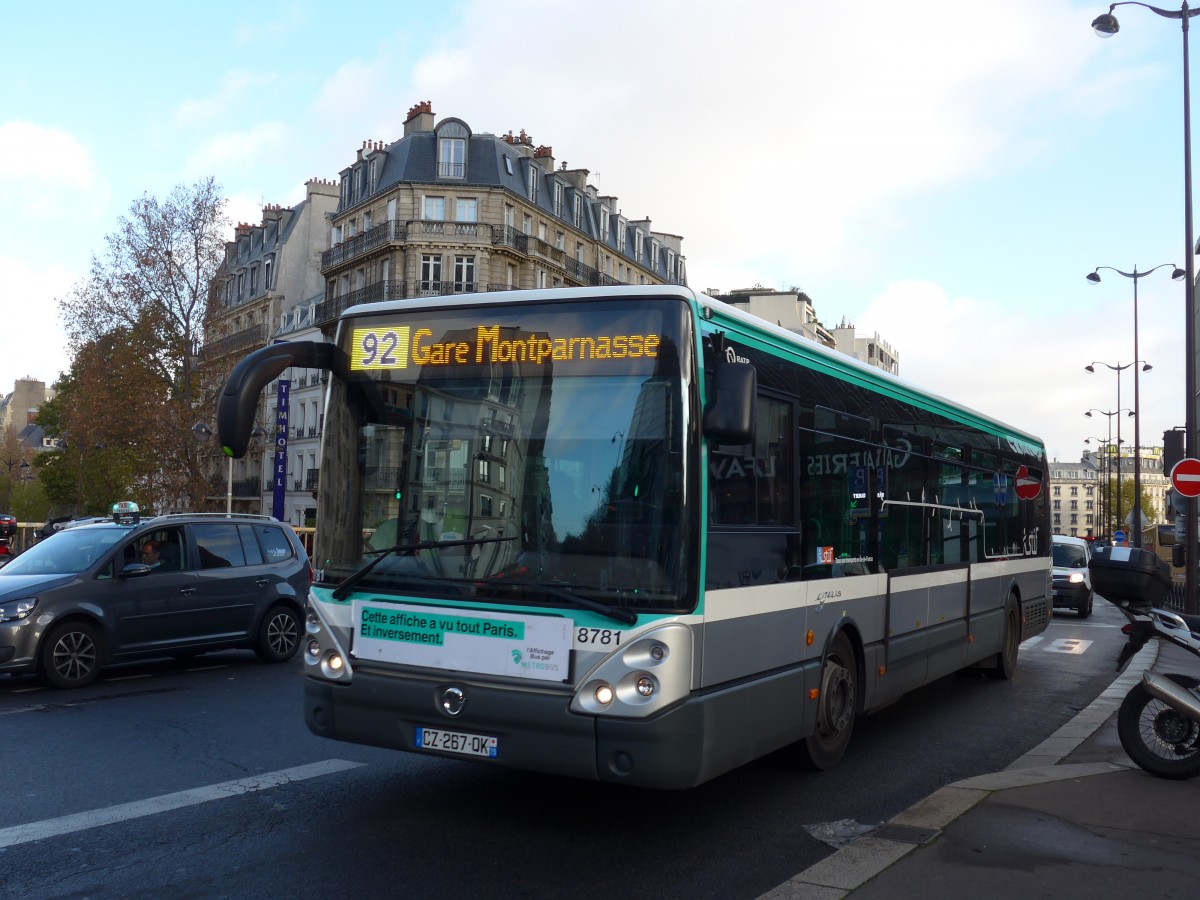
202,781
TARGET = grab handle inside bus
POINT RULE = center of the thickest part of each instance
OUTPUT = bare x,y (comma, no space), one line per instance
239,397
729,416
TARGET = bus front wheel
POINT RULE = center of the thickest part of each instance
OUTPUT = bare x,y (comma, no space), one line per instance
1004,663
838,705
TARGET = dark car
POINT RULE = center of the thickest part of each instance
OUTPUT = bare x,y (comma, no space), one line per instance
174,585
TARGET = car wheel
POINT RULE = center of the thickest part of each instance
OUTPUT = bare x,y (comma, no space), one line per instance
1086,609
278,635
70,655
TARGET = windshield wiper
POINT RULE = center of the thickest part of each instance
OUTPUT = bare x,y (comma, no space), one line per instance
340,592
617,613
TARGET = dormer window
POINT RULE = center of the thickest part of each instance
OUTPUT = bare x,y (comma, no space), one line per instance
604,223
533,182
578,211
267,282
453,137
508,164
558,198
452,157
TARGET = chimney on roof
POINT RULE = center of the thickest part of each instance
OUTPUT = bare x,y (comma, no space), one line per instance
545,155
577,178
420,118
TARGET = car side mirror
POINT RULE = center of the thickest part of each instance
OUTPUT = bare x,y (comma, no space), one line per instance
134,570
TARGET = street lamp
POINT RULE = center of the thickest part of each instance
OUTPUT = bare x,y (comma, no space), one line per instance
1177,274
1110,413
1137,432
1106,26
1105,488
203,432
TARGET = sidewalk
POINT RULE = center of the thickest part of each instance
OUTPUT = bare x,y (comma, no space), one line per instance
1073,817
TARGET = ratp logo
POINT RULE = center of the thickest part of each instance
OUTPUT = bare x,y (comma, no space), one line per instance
517,658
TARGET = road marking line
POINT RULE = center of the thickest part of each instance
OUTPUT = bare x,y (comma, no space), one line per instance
1075,646
37,831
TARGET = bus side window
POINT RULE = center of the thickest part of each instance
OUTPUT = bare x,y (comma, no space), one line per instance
752,484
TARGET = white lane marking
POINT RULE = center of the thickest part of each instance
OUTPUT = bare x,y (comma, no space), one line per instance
36,831
1029,642
1067,645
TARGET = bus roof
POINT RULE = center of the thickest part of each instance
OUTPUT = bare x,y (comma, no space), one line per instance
700,302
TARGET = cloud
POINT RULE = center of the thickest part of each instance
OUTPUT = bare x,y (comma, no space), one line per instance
42,169
38,348
821,115
234,151
1029,371
237,90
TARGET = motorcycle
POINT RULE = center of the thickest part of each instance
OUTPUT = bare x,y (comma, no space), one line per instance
1159,720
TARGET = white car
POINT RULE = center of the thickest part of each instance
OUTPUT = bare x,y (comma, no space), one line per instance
1072,583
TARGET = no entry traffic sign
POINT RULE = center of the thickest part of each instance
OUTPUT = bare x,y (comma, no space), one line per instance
1185,477
1027,487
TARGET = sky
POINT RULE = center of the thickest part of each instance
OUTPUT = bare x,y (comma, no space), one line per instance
944,173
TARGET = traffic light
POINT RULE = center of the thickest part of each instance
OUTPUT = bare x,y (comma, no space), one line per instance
1173,448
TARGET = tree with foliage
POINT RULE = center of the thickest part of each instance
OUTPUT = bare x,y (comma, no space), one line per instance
127,405
1127,494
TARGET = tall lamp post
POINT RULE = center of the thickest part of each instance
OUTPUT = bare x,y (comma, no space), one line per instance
204,432
1110,413
1106,26
1137,433
1103,472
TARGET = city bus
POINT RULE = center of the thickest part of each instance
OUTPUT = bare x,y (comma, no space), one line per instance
634,534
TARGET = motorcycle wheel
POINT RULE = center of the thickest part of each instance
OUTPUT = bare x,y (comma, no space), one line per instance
1156,737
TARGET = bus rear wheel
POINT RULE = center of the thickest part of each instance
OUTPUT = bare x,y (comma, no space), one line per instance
824,748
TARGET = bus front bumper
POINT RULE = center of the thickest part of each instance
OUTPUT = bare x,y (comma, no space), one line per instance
693,741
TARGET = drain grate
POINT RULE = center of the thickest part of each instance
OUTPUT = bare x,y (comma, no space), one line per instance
907,834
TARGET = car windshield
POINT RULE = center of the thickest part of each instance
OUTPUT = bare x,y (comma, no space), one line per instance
1068,556
66,553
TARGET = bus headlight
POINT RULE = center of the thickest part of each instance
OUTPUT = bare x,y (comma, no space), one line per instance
639,679
645,685
324,656
333,665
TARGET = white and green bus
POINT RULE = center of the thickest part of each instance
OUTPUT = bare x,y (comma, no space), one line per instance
636,535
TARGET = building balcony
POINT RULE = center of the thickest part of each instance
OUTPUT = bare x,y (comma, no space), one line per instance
391,231
329,310
396,232
507,236
242,487
248,339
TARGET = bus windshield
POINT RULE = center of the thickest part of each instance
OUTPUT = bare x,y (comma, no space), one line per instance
530,454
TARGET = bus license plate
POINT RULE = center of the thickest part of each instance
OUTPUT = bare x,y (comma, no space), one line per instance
457,742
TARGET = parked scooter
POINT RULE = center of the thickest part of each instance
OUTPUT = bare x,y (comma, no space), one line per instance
1159,719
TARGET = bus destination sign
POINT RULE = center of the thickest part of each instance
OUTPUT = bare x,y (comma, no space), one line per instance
406,346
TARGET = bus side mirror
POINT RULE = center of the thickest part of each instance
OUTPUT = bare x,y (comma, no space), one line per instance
1179,556
729,416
